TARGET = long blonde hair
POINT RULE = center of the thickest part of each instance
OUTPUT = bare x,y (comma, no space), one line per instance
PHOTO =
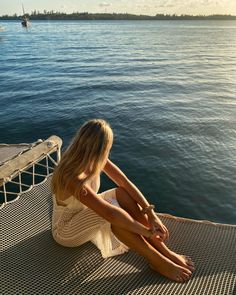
85,156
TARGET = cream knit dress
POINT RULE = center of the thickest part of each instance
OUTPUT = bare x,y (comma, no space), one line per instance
75,224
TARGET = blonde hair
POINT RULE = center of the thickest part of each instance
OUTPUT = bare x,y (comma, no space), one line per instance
85,156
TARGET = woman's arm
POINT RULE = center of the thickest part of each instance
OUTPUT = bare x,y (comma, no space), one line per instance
121,180
114,173
113,214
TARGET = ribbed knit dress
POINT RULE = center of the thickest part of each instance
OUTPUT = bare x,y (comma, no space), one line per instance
75,224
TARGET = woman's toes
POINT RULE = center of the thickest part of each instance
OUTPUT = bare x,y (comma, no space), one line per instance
179,279
186,276
187,271
191,265
189,259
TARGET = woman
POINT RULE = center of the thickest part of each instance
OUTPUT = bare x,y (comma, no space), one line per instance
115,220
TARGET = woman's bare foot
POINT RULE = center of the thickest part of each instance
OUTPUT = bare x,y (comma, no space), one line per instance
181,260
171,270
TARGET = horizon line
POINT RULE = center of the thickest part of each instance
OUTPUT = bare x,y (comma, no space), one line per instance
118,13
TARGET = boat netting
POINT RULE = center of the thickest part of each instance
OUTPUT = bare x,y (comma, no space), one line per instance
24,165
33,263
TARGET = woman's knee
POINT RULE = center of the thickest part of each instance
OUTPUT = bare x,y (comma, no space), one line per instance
130,205
126,201
123,198
121,193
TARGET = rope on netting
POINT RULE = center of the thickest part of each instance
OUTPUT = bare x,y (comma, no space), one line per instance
19,149
23,187
16,183
5,193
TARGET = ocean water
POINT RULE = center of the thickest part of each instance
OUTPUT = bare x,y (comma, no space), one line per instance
168,89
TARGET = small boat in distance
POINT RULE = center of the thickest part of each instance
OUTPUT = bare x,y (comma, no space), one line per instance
25,21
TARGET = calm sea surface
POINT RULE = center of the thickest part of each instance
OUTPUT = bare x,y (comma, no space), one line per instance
168,89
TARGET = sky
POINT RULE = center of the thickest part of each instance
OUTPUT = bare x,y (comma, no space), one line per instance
148,7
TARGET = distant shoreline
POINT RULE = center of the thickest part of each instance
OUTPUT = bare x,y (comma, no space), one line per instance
35,15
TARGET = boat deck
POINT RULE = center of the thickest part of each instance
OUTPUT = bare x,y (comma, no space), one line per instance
32,263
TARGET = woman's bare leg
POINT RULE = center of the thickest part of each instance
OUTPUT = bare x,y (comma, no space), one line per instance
127,203
180,259
157,261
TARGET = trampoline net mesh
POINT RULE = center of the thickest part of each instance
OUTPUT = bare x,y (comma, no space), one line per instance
32,263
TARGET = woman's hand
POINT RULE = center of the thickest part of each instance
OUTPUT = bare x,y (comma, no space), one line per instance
157,227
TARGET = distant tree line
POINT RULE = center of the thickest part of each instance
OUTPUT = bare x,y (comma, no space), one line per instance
55,15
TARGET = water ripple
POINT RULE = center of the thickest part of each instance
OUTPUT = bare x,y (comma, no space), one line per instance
167,88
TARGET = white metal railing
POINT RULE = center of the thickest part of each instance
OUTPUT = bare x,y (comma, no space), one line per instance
26,170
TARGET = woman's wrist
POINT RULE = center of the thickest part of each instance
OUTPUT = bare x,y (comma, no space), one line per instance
148,209
151,233
148,233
